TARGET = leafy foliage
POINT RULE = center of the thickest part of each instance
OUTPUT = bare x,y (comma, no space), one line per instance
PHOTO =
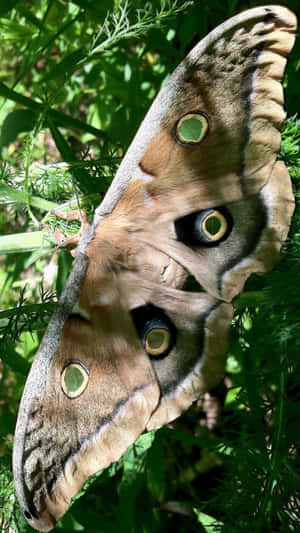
82,76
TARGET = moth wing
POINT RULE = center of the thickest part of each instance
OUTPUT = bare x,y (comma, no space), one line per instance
231,80
64,436
195,363
259,225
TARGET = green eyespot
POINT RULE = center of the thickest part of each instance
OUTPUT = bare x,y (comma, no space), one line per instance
214,226
191,128
156,330
74,379
157,341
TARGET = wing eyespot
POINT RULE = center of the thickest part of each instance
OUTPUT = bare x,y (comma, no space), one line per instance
157,341
27,515
214,225
191,128
208,227
74,379
155,329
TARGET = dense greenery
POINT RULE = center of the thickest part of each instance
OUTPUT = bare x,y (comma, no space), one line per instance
76,80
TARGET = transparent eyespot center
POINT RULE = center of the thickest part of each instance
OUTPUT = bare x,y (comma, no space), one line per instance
214,226
157,341
191,128
74,379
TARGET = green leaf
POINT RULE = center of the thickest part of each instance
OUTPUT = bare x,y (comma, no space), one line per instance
11,358
65,262
6,6
17,122
133,479
67,66
209,523
156,479
231,399
135,453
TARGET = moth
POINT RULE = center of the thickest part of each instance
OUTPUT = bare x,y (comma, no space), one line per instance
199,193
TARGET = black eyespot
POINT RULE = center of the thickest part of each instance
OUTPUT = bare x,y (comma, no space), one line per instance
208,227
155,329
31,513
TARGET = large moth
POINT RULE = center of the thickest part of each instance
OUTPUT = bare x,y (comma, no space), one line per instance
199,193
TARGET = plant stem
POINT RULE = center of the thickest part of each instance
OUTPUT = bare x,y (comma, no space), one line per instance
58,117
9,195
23,242
275,457
27,309
80,174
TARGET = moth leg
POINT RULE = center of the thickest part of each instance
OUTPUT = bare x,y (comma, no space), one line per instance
60,238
